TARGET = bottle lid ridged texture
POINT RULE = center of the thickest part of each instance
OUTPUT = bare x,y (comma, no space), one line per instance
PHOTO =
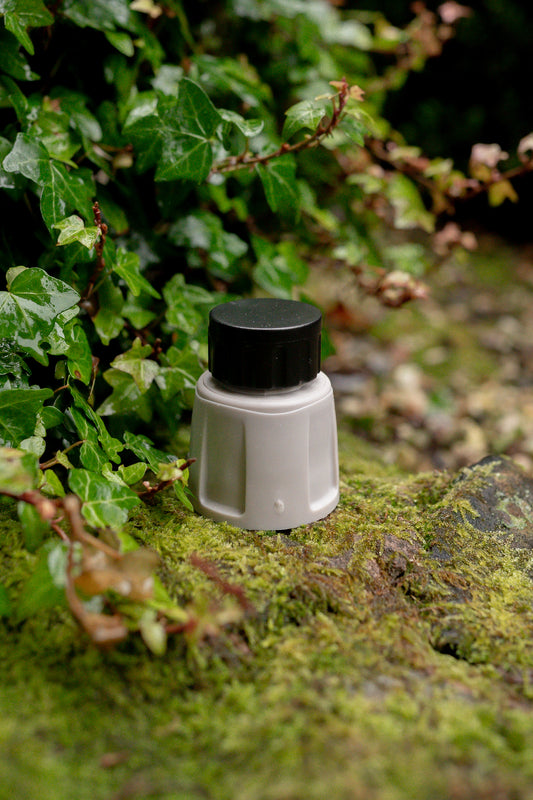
264,343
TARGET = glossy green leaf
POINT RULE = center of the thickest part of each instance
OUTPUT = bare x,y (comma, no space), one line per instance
103,15
104,504
136,311
18,410
33,444
111,446
79,356
209,244
235,77
305,115
19,471
144,131
109,320
281,189
19,15
144,449
12,60
355,127
65,192
75,106
183,494
50,484
178,136
11,363
187,305
30,158
409,208
126,397
29,309
136,362
180,370
7,179
133,473
127,266
121,41
73,229
92,456
51,416
278,268
248,127
167,79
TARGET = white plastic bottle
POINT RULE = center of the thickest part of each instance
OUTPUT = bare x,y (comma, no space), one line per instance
264,434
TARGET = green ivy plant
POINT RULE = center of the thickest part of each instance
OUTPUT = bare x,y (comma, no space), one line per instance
153,165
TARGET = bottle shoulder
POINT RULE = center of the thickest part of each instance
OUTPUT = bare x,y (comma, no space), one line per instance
270,401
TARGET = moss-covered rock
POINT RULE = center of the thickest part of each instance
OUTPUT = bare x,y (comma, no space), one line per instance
385,652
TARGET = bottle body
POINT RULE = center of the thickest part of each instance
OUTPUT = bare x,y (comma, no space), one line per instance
264,460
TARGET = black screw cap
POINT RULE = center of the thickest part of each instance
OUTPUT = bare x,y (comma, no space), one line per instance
264,343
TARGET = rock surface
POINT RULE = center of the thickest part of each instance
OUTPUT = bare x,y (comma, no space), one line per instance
387,654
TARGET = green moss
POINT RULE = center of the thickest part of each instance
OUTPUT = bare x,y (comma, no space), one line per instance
389,656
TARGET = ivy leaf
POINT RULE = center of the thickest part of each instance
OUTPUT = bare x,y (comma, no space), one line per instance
7,181
125,398
22,14
50,484
178,136
72,229
355,127
79,356
91,454
181,369
103,15
128,267
183,494
11,363
305,115
30,158
281,189
121,41
208,243
134,362
111,445
66,191
182,300
188,127
144,449
31,306
20,409
409,208
104,504
13,62
248,127
137,313
278,268
145,132
74,105
109,320
133,473
18,470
